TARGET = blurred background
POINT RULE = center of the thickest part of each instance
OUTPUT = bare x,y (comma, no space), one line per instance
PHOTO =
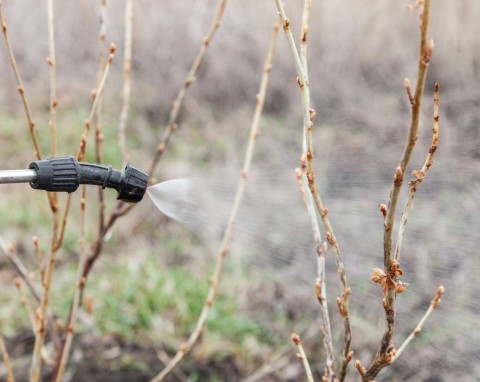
149,284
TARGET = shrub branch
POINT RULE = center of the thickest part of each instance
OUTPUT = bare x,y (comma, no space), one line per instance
433,305
177,103
6,360
302,357
51,60
391,266
227,237
420,174
127,70
320,287
20,87
307,162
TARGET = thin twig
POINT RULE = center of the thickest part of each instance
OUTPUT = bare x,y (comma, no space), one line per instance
279,362
390,264
302,356
66,342
227,236
61,234
6,360
177,103
121,208
25,302
433,305
307,163
66,345
41,259
20,87
127,70
51,60
83,140
99,138
320,286
53,82
419,175
96,101
9,252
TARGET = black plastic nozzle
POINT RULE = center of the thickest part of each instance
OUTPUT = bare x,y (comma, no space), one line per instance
65,174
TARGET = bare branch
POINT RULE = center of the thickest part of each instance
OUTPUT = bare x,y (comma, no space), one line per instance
383,355
20,87
227,237
9,252
420,174
433,305
6,360
25,302
302,356
321,249
307,163
99,138
127,69
96,101
53,82
177,103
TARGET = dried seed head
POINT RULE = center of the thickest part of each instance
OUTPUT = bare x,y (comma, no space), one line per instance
112,48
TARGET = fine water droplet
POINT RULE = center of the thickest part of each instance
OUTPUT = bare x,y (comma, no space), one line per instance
173,197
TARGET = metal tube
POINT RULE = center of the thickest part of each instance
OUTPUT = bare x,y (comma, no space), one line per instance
17,176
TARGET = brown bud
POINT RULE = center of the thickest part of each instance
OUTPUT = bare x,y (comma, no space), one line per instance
331,239
383,209
184,348
296,338
160,148
436,299
341,307
398,177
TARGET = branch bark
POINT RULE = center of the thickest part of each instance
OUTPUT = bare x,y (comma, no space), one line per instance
384,352
227,237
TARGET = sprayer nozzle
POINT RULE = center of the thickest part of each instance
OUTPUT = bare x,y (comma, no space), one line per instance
65,174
